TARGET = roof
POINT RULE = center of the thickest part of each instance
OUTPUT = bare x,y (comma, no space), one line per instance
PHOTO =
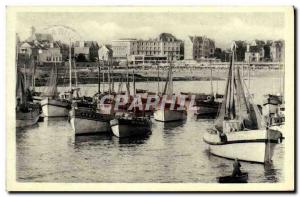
164,37
255,49
107,46
40,37
195,39
87,44
278,43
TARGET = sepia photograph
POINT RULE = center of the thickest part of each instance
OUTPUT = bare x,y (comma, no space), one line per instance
150,98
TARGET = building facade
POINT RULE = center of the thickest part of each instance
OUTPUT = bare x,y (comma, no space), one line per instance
198,47
86,50
147,59
50,55
165,45
255,51
105,53
41,48
277,51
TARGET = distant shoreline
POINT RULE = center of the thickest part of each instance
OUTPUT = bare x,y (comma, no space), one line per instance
90,75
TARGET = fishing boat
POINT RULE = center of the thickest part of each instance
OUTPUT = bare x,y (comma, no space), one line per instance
240,130
273,108
52,104
170,111
208,108
243,178
27,113
85,118
131,123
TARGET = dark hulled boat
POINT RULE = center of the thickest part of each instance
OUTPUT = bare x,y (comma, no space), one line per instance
129,126
243,178
207,108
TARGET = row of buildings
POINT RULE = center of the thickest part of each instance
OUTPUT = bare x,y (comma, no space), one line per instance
44,49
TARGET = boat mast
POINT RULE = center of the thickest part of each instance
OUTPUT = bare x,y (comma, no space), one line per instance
99,71
127,77
133,81
171,79
232,114
33,74
103,79
211,83
158,79
70,66
25,83
217,81
112,76
249,67
75,73
170,85
109,83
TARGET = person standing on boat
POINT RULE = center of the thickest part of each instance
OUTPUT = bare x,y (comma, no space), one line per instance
236,168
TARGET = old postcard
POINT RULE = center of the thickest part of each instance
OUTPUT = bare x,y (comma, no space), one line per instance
150,98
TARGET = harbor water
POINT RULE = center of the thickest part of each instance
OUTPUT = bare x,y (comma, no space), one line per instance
173,153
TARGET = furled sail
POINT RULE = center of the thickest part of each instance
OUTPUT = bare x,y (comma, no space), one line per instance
168,89
20,88
51,88
236,104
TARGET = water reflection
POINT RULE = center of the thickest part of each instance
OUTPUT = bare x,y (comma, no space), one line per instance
132,140
270,173
91,140
54,121
174,152
200,116
168,126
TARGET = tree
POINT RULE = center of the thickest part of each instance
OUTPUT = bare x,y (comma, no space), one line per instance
241,47
81,58
218,53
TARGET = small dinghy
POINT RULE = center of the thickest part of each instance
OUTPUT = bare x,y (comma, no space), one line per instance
243,178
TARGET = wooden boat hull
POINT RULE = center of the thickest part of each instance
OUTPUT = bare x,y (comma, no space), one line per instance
24,119
253,145
229,179
88,122
55,108
128,128
37,99
169,115
207,109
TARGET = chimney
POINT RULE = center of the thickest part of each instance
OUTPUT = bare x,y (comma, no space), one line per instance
32,30
248,47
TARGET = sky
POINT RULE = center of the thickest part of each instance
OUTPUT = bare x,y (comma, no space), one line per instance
105,27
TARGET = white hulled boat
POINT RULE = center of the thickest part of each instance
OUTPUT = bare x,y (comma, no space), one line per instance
240,131
167,113
85,119
51,104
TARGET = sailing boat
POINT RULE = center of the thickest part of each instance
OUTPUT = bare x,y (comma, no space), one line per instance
240,131
209,107
131,123
166,113
27,113
85,118
52,105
